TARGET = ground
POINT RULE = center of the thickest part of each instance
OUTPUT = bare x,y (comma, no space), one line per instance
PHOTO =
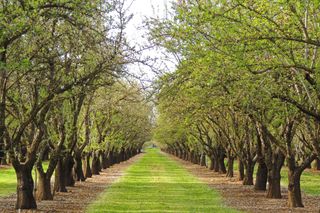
157,183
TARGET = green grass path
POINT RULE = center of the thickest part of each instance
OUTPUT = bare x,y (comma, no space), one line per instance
158,184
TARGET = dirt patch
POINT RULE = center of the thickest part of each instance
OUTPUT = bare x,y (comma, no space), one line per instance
79,197
245,198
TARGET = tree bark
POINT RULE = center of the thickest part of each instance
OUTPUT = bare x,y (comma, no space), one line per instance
78,166
25,185
87,169
261,177
222,167
241,170
69,173
274,176
104,160
294,189
317,164
248,176
203,160
216,165
60,180
230,167
211,167
44,187
95,165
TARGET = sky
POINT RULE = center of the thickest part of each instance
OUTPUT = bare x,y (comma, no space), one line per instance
136,34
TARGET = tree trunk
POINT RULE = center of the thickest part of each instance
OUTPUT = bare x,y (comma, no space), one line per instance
317,164
212,163
44,187
25,185
203,160
95,165
59,181
69,173
216,165
294,189
241,170
4,159
78,167
87,169
261,177
248,177
104,160
230,167
2,154
274,177
222,167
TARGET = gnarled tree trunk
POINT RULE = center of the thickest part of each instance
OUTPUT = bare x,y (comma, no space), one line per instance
25,185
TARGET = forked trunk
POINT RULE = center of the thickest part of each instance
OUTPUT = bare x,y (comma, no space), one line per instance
25,185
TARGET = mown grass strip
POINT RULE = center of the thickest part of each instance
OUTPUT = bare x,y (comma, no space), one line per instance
158,184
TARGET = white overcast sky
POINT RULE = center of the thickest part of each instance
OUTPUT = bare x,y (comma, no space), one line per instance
142,9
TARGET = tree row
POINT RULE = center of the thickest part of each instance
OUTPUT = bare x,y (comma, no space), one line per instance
246,88
64,100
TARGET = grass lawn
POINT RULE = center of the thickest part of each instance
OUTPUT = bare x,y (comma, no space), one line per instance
8,180
158,184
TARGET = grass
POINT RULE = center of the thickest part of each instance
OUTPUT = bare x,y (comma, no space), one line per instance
8,180
158,184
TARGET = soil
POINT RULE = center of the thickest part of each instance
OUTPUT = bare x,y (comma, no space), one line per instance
245,198
77,198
